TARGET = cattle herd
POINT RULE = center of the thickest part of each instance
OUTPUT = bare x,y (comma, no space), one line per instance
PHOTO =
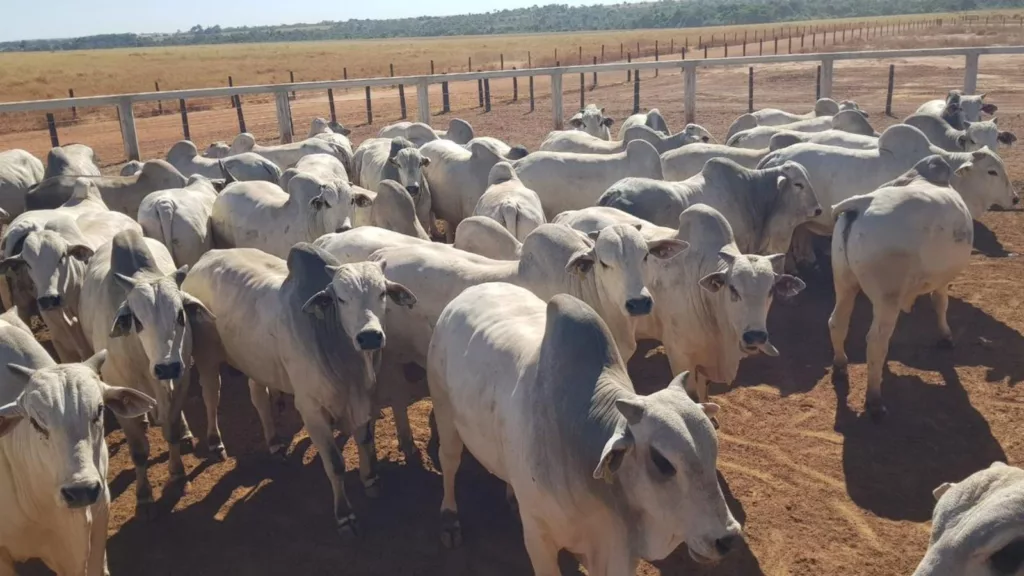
511,287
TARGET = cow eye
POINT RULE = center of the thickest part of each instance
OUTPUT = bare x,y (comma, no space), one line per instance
99,415
383,295
646,256
798,185
340,301
603,265
181,317
993,173
39,428
662,463
733,293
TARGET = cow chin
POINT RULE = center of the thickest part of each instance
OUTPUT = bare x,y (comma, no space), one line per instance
749,350
699,558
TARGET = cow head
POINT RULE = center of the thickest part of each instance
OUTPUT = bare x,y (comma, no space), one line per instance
358,294
58,419
410,163
159,313
617,260
983,182
795,205
974,106
664,456
593,121
53,262
978,135
746,288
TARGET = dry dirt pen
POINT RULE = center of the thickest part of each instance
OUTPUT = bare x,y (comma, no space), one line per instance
819,488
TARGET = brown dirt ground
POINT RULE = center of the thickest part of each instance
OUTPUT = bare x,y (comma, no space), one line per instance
819,488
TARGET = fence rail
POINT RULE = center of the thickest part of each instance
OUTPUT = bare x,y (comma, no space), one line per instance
282,92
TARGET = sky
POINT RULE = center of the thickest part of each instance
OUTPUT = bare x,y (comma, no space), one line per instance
34,19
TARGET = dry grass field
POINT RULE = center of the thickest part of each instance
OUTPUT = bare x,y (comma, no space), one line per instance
819,488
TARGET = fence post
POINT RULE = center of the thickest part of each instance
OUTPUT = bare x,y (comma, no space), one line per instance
705,51
445,101
760,47
480,93
241,116
690,93
629,73
284,117
51,123
515,87
971,73
231,84
369,107
602,53
487,94
184,119
656,58
636,91
502,61
581,55
556,98
533,106
344,73
291,79
888,93
595,73
401,99
790,44
776,44
128,134
330,100
529,59
826,78
817,85
726,48
750,89
159,103
423,101
74,109
431,67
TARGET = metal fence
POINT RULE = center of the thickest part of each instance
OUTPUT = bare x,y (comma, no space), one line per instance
284,93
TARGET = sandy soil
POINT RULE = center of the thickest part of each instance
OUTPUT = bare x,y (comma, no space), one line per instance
819,488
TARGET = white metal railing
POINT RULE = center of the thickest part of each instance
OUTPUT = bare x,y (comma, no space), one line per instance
124,102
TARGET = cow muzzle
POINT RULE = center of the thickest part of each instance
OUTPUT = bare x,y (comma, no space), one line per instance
755,341
81,494
370,340
639,306
167,371
50,302
413,190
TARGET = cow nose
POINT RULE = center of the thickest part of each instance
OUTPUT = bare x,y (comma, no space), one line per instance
639,306
81,494
755,337
343,228
817,212
370,339
167,371
49,302
1016,200
725,544
705,139
413,190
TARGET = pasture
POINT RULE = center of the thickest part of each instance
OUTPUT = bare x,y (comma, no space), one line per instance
819,487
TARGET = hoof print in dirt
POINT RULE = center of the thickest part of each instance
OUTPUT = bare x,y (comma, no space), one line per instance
451,530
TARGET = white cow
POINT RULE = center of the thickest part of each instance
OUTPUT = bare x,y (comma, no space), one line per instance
688,161
851,121
976,527
839,138
540,395
133,306
324,168
416,132
286,155
218,149
597,218
583,143
180,219
957,108
121,193
567,181
652,119
509,203
131,168
19,171
397,159
71,160
974,136
776,117
184,156
592,120
335,133
392,209
309,327
53,484
896,244
484,236
763,207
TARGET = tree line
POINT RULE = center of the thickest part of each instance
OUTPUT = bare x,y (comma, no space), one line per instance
551,18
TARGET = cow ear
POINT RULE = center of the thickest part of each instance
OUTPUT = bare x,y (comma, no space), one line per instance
127,283
680,382
710,408
576,122
942,489
1006,138
713,282
788,286
667,248
581,262
424,161
12,263
989,108
781,182
593,234
632,409
778,262
196,310
362,200
180,274
612,455
317,303
81,252
95,362
10,415
22,372
961,142
400,294
127,403
123,321
393,160
963,170
608,121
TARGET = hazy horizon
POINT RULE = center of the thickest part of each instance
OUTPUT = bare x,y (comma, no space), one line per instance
59,19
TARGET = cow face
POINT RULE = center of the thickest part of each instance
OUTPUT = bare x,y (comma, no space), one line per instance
52,263
746,289
976,527
593,121
796,205
664,456
58,419
983,182
978,135
698,133
359,293
617,261
410,165
159,313
974,106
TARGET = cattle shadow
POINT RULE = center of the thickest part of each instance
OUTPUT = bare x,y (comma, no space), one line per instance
987,243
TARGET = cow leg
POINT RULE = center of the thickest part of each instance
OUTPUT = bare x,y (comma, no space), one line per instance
839,324
318,426
400,408
209,381
368,458
260,396
138,443
543,552
882,325
97,563
450,454
940,300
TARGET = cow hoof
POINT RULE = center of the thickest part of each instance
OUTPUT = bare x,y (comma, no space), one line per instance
876,410
945,343
187,444
839,372
146,511
451,529
278,448
348,528
217,454
371,487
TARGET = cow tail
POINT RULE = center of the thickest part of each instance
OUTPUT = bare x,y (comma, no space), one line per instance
846,213
510,218
165,212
